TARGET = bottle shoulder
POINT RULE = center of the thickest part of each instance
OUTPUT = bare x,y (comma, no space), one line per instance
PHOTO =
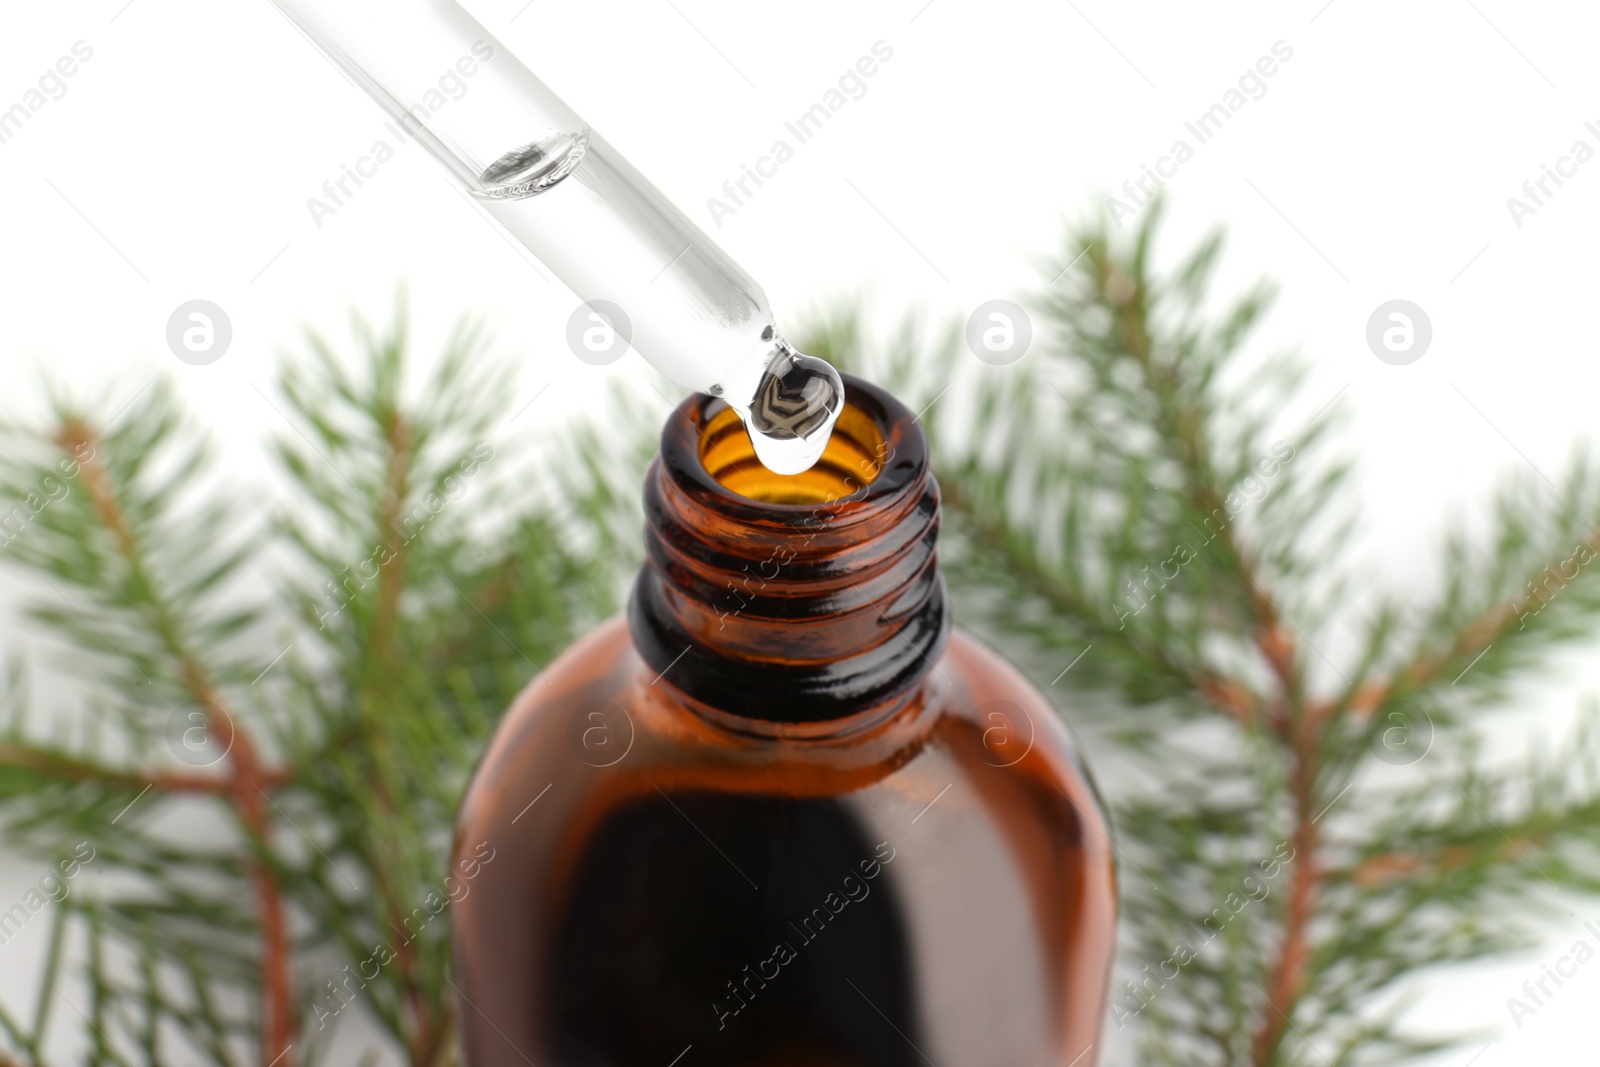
598,715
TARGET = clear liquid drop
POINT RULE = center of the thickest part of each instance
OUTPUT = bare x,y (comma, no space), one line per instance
790,418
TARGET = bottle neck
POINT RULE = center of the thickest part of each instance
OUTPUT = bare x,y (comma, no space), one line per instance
791,599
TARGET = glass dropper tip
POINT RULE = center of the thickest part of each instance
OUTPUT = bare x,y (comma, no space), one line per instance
790,417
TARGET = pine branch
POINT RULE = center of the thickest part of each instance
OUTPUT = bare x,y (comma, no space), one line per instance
1070,475
435,604
64,767
82,449
245,787
350,718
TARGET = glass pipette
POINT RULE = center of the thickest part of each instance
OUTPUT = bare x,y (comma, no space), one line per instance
562,191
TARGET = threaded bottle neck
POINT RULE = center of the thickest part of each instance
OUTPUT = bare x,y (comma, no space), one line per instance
799,599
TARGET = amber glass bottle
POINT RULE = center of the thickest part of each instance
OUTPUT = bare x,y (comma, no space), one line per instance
781,814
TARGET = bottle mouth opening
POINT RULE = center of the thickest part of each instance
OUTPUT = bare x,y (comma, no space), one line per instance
852,460
872,469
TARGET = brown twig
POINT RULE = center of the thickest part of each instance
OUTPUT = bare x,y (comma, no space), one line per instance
428,1033
70,769
1301,731
1230,697
1471,640
49,764
1289,971
391,575
1290,713
246,781
1474,638
1391,866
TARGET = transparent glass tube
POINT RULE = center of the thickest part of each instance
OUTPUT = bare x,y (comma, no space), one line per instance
562,191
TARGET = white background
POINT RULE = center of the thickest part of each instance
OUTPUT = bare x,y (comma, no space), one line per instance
1377,166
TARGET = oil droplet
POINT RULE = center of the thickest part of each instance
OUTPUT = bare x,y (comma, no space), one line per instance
790,418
